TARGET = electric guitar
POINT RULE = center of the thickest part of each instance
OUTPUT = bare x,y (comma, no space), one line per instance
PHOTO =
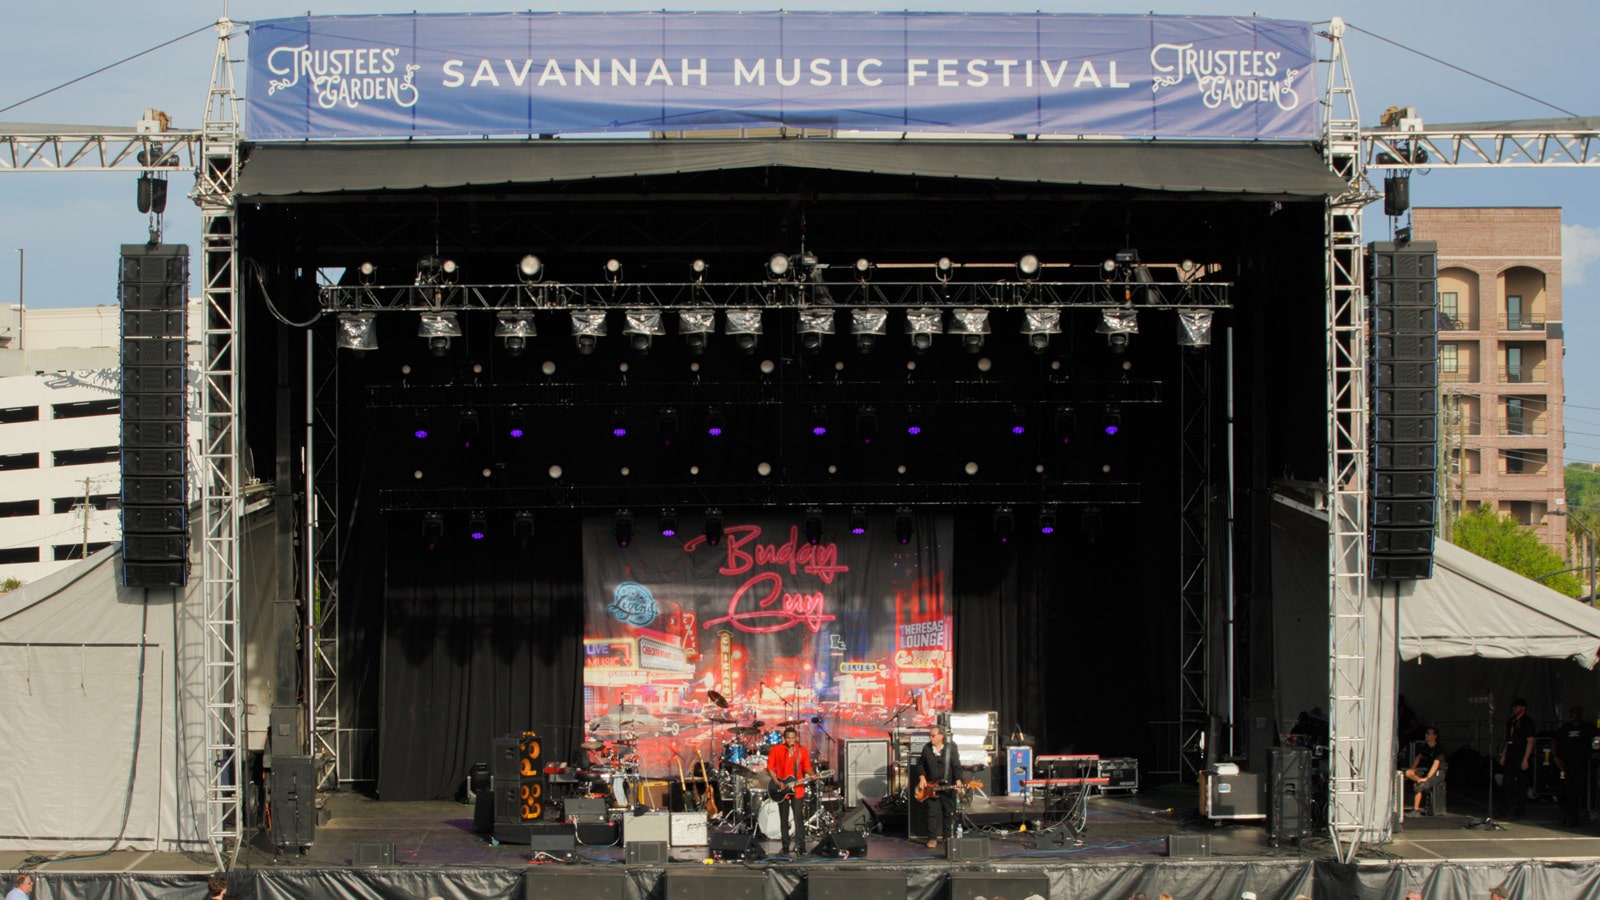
783,789
708,800
926,791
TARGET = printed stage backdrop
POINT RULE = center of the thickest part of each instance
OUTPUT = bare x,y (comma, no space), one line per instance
848,638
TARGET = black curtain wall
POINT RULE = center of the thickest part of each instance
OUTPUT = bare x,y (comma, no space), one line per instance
481,639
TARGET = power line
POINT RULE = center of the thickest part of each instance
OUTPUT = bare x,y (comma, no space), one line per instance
1451,65
106,68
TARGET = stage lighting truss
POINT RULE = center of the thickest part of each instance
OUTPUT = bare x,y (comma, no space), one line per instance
431,270
1194,327
1038,325
867,325
815,325
514,328
972,325
744,326
921,325
696,326
1118,324
588,327
642,326
357,332
437,328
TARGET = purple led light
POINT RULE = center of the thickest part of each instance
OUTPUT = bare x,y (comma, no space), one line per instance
819,430
516,432
913,429
421,434
619,431
714,431
1019,429
477,535
669,532
1112,429
858,530
1047,529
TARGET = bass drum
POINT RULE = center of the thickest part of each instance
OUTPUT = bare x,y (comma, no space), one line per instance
768,819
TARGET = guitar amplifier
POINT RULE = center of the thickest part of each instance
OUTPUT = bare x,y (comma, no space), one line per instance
1123,772
688,829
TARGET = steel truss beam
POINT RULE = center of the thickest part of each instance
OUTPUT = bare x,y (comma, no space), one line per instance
1194,561
107,151
322,560
1443,148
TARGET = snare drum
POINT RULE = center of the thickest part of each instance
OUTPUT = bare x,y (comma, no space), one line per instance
734,752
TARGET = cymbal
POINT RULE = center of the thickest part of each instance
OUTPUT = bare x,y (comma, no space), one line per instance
743,729
592,745
718,699
720,720
746,771
790,723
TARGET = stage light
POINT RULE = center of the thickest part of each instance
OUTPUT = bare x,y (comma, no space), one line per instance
669,523
432,526
1194,327
438,329
1065,420
914,421
516,425
642,326
530,269
904,528
713,529
943,269
858,521
863,270
815,324
867,423
1038,325
922,324
619,423
612,270
813,526
1019,420
868,325
366,272
1118,324
972,325
1090,523
778,267
1112,421
467,427
477,526
744,326
819,421
1047,520
588,327
622,527
667,425
419,427
522,524
433,270
715,422
696,326
1028,267
697,270
1005,523
357,331
515,328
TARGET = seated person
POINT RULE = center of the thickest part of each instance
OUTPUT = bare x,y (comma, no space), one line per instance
1427,769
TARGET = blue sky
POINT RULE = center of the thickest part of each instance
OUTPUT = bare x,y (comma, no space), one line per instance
70,225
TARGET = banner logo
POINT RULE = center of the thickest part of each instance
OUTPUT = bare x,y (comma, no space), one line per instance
344,77
633,604
1235,78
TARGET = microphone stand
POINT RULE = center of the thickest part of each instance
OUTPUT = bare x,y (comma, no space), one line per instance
1488,822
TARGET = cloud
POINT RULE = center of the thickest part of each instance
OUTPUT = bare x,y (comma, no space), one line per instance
1580,247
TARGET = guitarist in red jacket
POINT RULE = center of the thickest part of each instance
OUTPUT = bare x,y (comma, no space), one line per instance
789,764
938,781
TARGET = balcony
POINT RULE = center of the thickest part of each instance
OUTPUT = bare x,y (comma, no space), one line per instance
1535,374
1526,322
1456,323
1523,428
1462,375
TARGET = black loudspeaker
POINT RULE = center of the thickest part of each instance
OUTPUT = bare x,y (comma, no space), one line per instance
730,883
917,819
646,853
1405,421
1289,797
292,791
849,883
569,882
154,281
597,834
1190,845
723,845
968,848
973,885
483,812
1059,839
1396,194
584,809
842,845
372,853
860,818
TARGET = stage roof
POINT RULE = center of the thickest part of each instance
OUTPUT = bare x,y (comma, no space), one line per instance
286,170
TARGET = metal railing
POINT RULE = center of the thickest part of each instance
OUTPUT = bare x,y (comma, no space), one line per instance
1529,321
1534,374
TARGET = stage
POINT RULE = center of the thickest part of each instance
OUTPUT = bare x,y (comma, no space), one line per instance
1123,849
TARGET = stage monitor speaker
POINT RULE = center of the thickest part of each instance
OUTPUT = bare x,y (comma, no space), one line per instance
1289,807
730,883
597,834
1188,845
292,790
1010,885
724,845
584,809
372,853
860,818
646,853
968,848
850,883
866,771
483,812
555,838
842,845
572,882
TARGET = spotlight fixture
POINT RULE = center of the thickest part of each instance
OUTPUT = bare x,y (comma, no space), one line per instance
419,427
667,425
696,326
813,526
1125,268
516,425
619,423
867,423
433,270
972,325
858,521
943,269
715,421
914,421
868,325
358,332
622,527
713,529
819,421
432,526
744,326
1194,328
530,269
1065,420
904,528
366,272
612,270
1047,520
669,523
863,270
1112,421
1019,420
1118,324
641,326
697,271
815,324
1038,325
522,524
477,526
778,267
588,327
515,328
438,328
467,427
1005,523
1028,267
922,324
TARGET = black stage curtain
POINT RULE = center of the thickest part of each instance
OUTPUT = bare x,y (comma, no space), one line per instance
481,639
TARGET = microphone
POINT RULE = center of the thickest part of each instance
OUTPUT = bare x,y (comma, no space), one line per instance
816,720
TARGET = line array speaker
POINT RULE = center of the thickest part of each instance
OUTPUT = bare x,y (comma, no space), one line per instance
1289,806
1404,402
154,283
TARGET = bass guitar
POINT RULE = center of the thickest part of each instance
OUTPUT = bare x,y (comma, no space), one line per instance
926,791
708,800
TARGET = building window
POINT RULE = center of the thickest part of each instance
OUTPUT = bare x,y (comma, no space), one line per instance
88,456
19,554
19,508
1449,358
98,501
1516,464
75,551
86,408
15,461
1449,310
19,414
1514,319
1513,365
1516,423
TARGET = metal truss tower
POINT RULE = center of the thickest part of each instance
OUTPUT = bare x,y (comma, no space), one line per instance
322,537
1194,561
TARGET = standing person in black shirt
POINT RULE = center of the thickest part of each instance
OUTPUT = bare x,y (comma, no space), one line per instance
1516,760
1427,768
937,783
1573,745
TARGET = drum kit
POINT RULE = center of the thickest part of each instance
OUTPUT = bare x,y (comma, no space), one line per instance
615,768
742,781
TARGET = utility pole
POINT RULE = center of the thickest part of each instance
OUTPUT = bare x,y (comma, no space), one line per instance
84,554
